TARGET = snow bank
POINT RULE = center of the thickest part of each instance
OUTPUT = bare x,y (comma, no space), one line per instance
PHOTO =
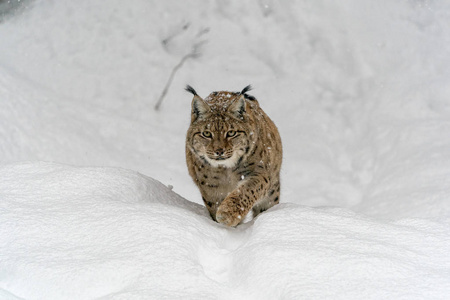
74,233
84,233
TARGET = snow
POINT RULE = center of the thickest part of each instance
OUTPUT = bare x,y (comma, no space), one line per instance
81,233
358,90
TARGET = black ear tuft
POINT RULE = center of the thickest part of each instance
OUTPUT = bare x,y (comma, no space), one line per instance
191,90
246,89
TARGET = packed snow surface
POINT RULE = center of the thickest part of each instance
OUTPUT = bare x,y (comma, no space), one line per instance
358,89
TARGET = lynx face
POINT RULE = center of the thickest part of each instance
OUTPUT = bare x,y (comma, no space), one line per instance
221,141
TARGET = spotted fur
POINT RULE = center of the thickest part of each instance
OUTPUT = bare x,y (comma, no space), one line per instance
233,154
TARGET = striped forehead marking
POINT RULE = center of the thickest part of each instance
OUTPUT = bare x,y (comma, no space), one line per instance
219,101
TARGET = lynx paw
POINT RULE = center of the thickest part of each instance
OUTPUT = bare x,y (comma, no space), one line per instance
227,216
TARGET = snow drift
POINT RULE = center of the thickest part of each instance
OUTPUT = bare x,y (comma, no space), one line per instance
359,93
84,233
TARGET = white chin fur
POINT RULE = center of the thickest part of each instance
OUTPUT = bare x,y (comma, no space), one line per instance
227,163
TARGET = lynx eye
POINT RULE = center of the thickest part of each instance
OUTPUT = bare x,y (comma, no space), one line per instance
231,133
207,134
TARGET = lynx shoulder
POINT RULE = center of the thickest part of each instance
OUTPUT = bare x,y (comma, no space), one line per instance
233,154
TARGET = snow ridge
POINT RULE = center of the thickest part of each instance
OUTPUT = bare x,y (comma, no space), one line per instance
122,233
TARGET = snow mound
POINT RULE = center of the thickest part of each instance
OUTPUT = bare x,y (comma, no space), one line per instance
107,233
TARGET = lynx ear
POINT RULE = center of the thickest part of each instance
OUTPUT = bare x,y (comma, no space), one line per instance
199,108
238,107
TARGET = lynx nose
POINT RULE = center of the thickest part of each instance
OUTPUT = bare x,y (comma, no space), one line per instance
219,152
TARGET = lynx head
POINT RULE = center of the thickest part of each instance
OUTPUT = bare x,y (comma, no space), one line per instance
222,129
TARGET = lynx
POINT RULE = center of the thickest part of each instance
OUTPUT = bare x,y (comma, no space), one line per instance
233,153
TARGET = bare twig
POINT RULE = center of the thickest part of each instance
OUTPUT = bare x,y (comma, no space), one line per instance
195,53
172,75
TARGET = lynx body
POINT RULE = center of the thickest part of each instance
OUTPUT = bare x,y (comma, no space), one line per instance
233,154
